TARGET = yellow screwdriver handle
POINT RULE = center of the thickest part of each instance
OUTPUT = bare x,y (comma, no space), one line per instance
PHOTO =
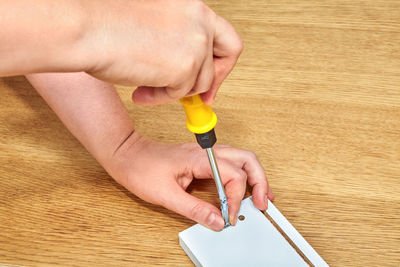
200,117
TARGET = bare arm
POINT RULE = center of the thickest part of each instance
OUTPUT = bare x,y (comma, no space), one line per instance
41,36
184,49
89,108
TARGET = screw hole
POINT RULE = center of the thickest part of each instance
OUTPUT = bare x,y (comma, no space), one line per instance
241,218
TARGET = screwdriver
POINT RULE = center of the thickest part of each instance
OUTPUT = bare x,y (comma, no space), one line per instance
201,121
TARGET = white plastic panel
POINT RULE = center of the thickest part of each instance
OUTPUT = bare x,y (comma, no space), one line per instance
252,242
295,236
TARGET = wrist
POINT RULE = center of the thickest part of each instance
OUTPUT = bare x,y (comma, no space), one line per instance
118,163
73,52
98,42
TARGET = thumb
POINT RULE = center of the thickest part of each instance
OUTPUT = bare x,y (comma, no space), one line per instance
195,209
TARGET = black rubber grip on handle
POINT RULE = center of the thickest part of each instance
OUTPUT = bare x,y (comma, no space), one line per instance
206,140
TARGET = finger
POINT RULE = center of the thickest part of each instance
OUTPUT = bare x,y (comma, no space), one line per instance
206,76
233,178
220,73
221,146
270,194
255,173
222,68
259,193
227,47
148,96
227,42
195,209
235,188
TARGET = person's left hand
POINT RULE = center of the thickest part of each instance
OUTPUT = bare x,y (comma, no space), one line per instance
160,173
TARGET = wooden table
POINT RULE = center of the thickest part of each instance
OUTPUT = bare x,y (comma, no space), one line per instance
316,94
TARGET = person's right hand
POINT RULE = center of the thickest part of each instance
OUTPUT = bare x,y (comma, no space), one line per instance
169,49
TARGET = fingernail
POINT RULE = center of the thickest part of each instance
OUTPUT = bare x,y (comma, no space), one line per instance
266,201
233,219
215,222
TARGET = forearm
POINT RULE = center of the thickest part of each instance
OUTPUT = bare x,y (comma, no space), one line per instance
89,108
42,36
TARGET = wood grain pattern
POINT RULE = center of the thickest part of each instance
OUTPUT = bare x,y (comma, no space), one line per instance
316,94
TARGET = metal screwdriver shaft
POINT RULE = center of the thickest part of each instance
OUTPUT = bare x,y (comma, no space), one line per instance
220,186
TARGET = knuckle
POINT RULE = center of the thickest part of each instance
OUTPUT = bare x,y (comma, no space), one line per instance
201,40
263,183
240,177
190,147
188,65
251,155
199,7
197,212
238,46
